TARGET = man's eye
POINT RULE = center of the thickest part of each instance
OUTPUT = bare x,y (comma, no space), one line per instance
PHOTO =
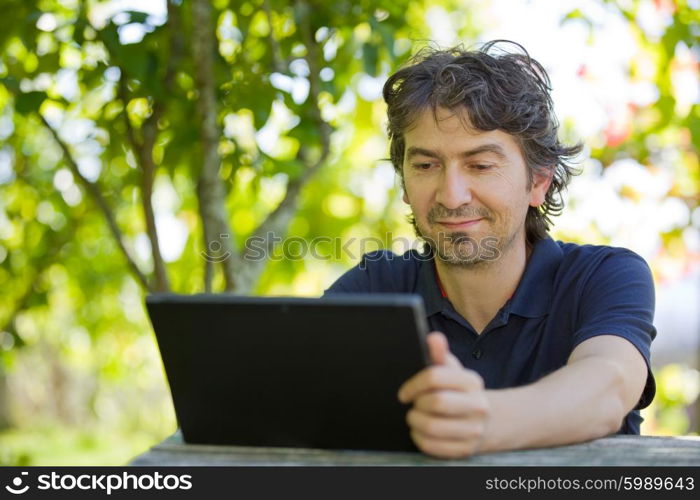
480,166
422,166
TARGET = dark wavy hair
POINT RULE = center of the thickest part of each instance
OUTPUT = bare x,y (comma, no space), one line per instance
498,89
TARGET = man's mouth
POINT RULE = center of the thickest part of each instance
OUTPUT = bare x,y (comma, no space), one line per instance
459,224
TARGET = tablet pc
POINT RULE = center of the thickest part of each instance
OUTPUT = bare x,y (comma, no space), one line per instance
289,371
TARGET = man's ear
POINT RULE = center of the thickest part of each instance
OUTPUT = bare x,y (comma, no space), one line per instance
541,180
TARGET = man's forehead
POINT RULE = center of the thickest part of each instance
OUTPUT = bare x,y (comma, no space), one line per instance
442,121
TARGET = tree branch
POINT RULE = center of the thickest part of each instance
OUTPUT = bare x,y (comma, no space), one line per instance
19,305
212,200
277,222
175,44
148,167
56,244
101,202
143,151
275,52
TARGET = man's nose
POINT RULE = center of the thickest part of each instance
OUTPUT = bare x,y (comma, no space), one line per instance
454,189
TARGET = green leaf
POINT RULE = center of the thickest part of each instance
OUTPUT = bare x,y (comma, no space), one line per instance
11,84
370,56
29,102
136,16
134,60
37,299
110,37
292,168
79,30
48,63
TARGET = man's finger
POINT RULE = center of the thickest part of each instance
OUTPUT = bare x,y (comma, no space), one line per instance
445,448
445,428
438,378
439,350
451,404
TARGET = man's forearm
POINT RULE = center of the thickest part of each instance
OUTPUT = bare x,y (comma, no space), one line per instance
578,402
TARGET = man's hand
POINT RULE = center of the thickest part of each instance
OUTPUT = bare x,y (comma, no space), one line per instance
450,409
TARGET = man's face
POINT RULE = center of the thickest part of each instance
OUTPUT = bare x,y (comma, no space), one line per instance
468,189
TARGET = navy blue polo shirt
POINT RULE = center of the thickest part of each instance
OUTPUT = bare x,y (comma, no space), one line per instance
567,294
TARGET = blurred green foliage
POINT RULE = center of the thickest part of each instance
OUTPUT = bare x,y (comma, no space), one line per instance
90,95
677,387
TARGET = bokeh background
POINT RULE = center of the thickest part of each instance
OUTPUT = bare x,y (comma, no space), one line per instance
143,142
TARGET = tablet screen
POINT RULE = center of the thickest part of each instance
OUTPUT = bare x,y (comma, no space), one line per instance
285,371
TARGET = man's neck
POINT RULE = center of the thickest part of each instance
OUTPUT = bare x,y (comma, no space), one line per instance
479,293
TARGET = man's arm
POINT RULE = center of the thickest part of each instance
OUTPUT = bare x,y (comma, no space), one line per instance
453,416
586,399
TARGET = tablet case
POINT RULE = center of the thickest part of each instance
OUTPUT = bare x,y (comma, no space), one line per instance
291,372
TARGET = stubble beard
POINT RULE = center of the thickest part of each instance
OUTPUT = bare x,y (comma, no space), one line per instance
459,249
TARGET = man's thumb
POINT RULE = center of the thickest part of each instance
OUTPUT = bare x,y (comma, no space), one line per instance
440,350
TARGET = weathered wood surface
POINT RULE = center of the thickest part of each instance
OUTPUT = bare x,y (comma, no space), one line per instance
611,451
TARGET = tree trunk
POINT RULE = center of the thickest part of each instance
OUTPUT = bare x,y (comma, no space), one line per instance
277,223
5,418
148,174
218,237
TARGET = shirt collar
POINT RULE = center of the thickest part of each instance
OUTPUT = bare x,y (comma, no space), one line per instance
427,285
531,299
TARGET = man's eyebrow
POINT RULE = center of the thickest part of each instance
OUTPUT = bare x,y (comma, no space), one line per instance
415,151
484,148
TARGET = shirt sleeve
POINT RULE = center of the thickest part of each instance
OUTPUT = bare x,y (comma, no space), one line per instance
618,299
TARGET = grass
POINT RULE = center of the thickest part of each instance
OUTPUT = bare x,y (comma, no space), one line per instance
54,446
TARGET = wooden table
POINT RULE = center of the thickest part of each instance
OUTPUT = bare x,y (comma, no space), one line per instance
615,451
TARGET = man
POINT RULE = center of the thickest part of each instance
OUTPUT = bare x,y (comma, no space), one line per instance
536,343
